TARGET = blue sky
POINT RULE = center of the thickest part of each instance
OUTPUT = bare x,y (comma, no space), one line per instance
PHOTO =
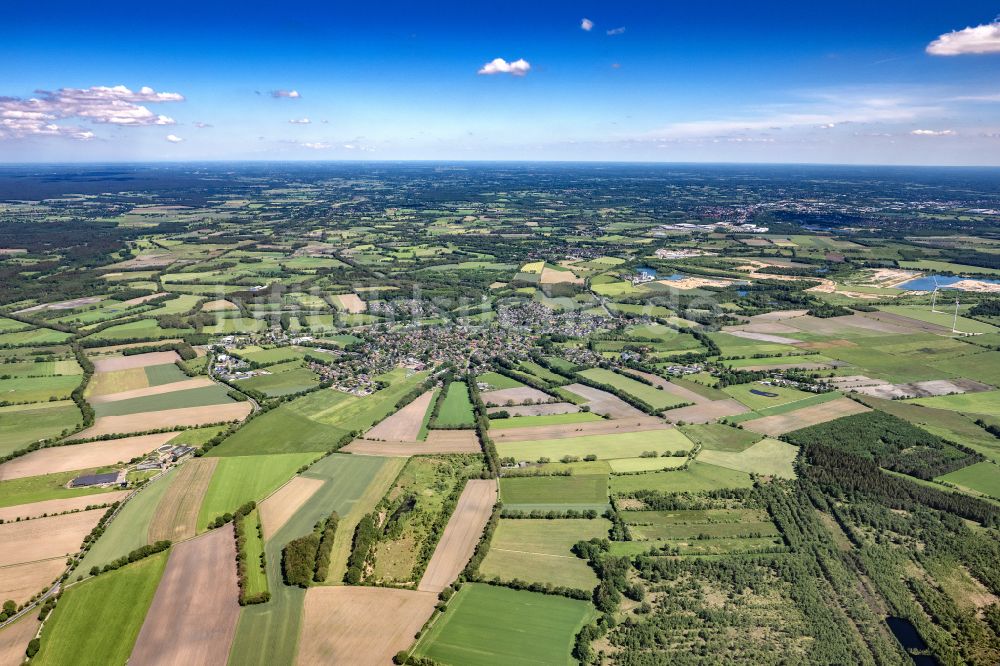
851,82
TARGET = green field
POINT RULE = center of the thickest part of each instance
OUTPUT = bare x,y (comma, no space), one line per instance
717,437
652,396
981,477
45,487
268,633
542,372
629,465
456,408
545,419
316,421
944,318
975,403
498,381
266,356
605,447
37,389
538,551
196,397
756,402
769,457
21,425
165,373
486,625
281,382
239,479
98,621
129,529
34,336
697,478
536,491
256,575
695,524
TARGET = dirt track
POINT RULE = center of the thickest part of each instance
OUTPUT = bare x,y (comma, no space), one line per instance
20,582
193,383
176,516
805,417
56,536
361,626
113,363
193,616
706,412
51,507
602,402
464,529
283,503
404,425
191,416
82,456
603,427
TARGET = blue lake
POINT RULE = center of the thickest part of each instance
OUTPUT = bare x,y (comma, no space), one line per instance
929,282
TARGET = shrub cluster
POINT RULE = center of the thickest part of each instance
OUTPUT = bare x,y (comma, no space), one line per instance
133,556
365,536
308,558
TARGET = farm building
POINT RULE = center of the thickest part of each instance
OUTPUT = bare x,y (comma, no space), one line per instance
94,480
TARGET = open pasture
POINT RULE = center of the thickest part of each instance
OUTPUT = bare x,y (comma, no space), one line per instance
605,447
769,457
759,396
97,621
455,410
594,427
198,393
147,391
37,389
567,418
987,403
718,437
21,425
239,479
699,477
115,363
983,477
538,551
486,625
577,491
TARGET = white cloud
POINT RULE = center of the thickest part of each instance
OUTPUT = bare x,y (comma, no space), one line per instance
201,125
828,126
113,105
288,94
316,145
616,31
519,67
927,132
173,138
300,121
978,40
586,24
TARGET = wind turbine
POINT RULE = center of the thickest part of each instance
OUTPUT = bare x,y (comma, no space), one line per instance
934,295
954,321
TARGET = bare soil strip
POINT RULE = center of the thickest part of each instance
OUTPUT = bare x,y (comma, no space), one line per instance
283,503
464,529
192,619
57,506
190,416
438,441
56,536
14,639
220,304
20,582
638,424
361,626
516,396
351,302
176,515
764,337
404,425
807,416
602,402
135,361
193,383
142,299
778,315
671,388
82,456
538,410
706,412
